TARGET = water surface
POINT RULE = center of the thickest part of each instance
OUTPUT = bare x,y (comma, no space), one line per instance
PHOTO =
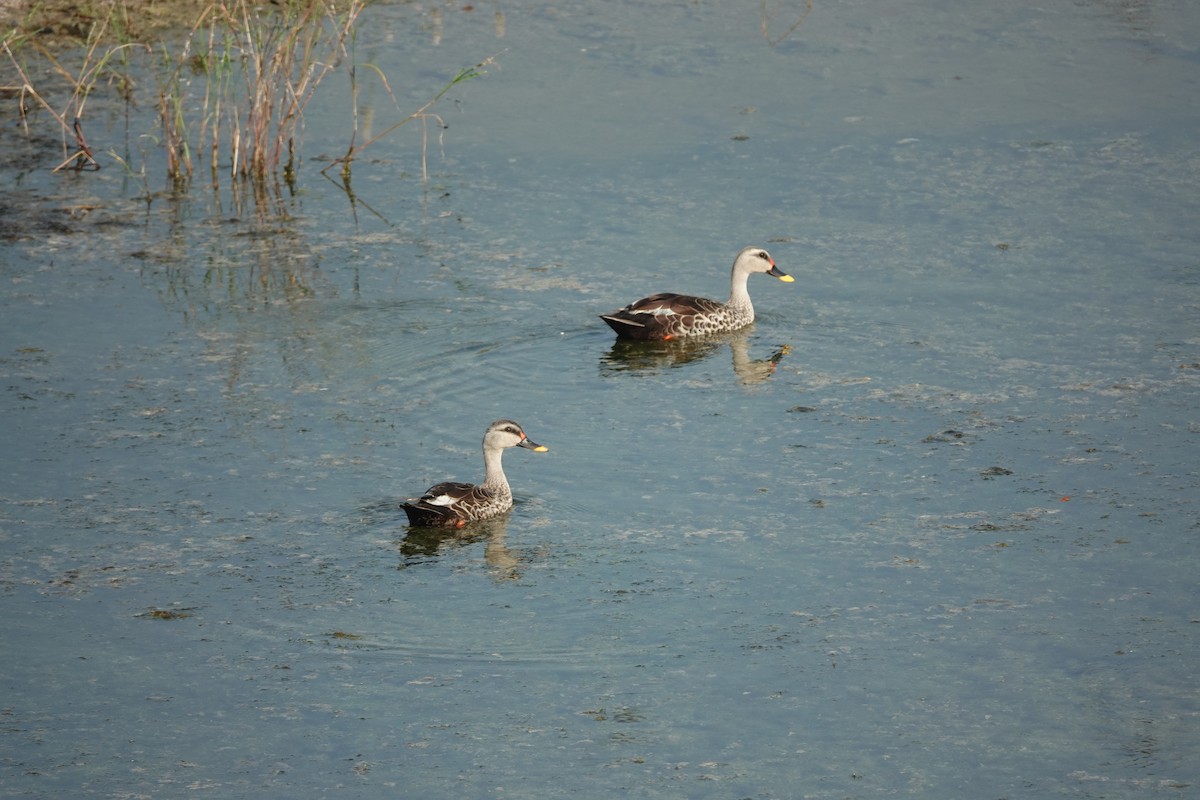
928,529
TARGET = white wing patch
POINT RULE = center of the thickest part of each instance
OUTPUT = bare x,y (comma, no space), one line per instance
441,500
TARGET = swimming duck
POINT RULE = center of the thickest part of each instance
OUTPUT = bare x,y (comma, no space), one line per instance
672,316
453,505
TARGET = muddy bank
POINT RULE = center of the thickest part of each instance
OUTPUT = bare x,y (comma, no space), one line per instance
65,22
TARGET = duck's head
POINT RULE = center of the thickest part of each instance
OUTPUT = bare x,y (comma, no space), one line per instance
506,433
755,259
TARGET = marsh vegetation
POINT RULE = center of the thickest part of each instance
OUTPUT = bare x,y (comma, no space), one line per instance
231,82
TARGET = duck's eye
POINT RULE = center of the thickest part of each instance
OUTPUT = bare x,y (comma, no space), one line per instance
763,255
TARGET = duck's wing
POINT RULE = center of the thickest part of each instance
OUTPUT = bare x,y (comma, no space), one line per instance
671,304
661,316
448,493
449,503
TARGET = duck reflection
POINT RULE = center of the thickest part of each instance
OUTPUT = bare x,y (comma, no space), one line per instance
651,356
422,545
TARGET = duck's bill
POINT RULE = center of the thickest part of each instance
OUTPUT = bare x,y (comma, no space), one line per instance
532,445
778,273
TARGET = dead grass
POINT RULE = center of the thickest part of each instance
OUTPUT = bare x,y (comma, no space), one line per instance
232,77
258,69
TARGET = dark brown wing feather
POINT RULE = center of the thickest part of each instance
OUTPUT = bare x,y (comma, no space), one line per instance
660,316
681,304
426,516
454,489
424,512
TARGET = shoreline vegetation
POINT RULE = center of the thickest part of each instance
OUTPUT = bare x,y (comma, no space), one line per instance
231,80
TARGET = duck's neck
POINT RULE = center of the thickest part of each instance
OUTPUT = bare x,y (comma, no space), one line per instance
493,477
739,298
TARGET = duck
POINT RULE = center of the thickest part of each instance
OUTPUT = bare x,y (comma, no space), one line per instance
453,505
667,316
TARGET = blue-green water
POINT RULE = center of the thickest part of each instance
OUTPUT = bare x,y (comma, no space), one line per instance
946,548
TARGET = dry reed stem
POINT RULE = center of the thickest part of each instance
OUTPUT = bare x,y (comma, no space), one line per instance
261,68
81,88
764,17
421,113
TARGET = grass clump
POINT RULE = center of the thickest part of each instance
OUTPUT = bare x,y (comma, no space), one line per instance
257,68
95,65
230,92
